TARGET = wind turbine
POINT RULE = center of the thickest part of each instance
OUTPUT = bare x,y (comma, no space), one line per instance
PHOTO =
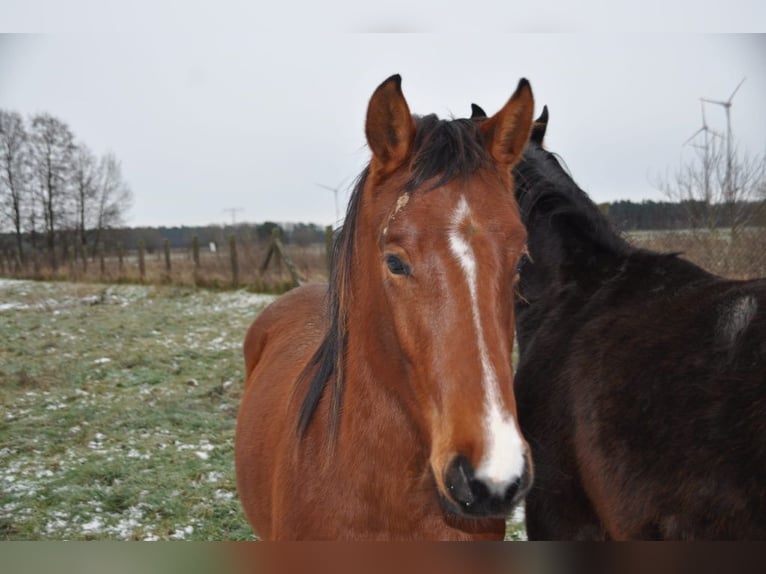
335,194
706,168
704,129
727,107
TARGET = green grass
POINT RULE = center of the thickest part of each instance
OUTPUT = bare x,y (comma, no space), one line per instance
118,411
118,406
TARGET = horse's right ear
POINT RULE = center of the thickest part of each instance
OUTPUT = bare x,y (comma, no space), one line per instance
389,127
539,127
507,132
477,112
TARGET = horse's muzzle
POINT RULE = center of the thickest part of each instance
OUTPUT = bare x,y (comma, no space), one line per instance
469,496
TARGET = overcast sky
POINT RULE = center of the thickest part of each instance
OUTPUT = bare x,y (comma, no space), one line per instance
207,117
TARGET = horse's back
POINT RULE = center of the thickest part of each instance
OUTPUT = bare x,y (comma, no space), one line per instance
672,410
651,422
277,346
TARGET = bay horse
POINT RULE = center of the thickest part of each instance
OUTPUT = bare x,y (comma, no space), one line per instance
641,385
381,406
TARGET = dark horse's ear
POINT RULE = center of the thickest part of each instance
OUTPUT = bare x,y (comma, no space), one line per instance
389,128
507,132
477,112
539,127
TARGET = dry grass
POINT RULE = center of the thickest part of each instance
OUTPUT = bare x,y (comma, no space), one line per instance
215,269
741,257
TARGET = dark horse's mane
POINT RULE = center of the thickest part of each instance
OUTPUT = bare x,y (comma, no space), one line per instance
442,151
543,187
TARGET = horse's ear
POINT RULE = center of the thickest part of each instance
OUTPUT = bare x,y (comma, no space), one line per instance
507,132
539,127
389,128
477,112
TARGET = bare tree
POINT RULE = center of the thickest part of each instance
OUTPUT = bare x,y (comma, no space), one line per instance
721,188
85,176
718,185
51,150
113,197
744,183
14,180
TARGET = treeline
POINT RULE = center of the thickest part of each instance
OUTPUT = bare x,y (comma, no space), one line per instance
56,196
127,239
665,215
153,238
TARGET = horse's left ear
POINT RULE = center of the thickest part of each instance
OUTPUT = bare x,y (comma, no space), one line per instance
507,132
389,127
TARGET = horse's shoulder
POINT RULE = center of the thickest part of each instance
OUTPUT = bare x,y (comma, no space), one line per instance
302,308
298,304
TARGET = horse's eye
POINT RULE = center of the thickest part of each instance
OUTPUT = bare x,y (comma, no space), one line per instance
396,265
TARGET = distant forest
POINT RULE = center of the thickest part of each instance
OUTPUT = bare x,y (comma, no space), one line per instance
624,215
664,215
181,237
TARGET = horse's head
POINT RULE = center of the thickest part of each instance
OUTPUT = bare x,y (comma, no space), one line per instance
444,242
570,241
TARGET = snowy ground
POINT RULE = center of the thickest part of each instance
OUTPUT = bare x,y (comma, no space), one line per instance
118,409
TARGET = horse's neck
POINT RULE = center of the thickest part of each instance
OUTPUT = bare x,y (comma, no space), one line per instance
376,401
561,262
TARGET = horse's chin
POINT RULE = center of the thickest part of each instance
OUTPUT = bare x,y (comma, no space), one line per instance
454,508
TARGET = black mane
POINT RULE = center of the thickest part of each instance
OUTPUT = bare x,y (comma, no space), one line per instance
545,190
443,150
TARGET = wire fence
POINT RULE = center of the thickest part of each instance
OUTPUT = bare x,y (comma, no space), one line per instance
275,267
269,267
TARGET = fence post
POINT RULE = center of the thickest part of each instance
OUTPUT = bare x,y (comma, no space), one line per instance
102,260
195,251
120,255
195,257
81,252
141,262
280,249
69,257
166,247
234,261
329,249
276,233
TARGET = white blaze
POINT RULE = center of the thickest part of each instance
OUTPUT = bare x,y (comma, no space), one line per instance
503,460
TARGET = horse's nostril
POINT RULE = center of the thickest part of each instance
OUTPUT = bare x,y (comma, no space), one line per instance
458,481
477,496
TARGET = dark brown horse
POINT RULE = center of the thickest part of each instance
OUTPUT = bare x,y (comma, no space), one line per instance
641,386
386,410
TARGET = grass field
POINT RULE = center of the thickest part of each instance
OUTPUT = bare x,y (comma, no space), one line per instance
118,412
